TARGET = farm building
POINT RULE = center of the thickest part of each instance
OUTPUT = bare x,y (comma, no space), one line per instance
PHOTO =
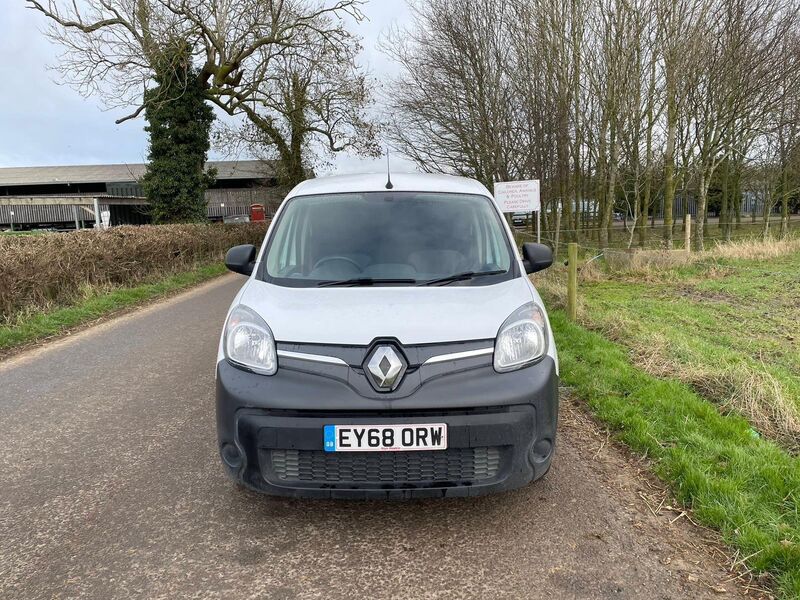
69,196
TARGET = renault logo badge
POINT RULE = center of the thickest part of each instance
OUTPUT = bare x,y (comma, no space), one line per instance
386,368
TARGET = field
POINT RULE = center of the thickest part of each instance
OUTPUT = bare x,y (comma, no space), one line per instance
726,322
694,361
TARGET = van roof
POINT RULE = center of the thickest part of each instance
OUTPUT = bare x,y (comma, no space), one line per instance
376,182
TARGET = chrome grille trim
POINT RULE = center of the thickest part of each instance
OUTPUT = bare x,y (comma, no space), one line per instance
459,355
320,358
335,360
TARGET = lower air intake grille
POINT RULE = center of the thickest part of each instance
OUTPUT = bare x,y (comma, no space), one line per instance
455,464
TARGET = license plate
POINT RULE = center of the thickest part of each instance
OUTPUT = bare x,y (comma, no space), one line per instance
385,438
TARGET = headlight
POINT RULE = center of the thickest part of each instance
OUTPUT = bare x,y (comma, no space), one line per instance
522,339
249,342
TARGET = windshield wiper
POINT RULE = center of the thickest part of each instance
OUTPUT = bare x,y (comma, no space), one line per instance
362,281
459,277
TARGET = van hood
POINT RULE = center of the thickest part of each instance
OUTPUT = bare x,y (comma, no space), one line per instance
412,315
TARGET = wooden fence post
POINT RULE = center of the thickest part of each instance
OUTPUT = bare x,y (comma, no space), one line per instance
688,233
572,281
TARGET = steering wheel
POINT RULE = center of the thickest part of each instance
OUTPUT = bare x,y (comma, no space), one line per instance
325,259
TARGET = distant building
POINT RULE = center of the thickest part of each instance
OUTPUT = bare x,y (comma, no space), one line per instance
66,197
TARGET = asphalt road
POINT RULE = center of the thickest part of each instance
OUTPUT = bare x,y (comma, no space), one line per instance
110,487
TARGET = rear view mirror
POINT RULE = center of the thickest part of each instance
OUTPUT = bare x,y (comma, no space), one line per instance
241,259
536,257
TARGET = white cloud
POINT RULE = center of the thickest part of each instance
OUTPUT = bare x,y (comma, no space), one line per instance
42,122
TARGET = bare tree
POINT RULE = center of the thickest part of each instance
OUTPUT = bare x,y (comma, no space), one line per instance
540,72
313,98
642,104
242,49
787,130
738,71
451,110
596,97
681,28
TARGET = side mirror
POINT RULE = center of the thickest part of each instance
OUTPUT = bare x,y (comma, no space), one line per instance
241,259
536,257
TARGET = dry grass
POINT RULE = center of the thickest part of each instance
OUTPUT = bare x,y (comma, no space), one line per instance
756,250
45,271
656,265
552,285
660,306
643,262
749,390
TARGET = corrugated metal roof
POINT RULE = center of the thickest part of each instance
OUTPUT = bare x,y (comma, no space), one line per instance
226,169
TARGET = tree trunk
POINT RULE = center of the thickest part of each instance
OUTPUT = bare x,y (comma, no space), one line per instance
608,205
724,212
602,177
637,206
648,181
765,214
669,168
737,199
702,203
585,191
576,30
785,205
577,180
563,205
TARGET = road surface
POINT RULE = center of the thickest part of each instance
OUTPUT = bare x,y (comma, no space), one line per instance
111,488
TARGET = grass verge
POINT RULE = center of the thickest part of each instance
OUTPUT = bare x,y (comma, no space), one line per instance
37,326
724,322
744,485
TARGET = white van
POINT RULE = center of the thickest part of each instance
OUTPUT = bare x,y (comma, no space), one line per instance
388,344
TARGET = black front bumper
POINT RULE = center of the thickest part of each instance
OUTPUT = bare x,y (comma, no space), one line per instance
501,433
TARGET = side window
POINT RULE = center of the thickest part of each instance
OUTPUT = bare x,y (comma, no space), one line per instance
495,253
284,251
492,246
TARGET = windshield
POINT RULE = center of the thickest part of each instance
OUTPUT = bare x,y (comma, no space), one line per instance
388,238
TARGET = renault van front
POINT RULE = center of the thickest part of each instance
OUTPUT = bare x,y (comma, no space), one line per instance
388,343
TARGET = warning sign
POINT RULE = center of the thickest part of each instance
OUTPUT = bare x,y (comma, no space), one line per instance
517,196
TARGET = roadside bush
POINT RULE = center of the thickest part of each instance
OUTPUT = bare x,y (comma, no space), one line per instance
42,271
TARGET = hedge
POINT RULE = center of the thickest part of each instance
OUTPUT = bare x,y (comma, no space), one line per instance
43,271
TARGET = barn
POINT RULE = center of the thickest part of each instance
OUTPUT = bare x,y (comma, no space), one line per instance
67,197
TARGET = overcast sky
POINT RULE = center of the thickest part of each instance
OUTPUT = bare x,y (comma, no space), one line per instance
44,123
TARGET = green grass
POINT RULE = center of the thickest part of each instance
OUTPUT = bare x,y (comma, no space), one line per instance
697,366
744,485
37,326
728,326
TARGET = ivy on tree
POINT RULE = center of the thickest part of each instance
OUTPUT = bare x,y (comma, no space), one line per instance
179,123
